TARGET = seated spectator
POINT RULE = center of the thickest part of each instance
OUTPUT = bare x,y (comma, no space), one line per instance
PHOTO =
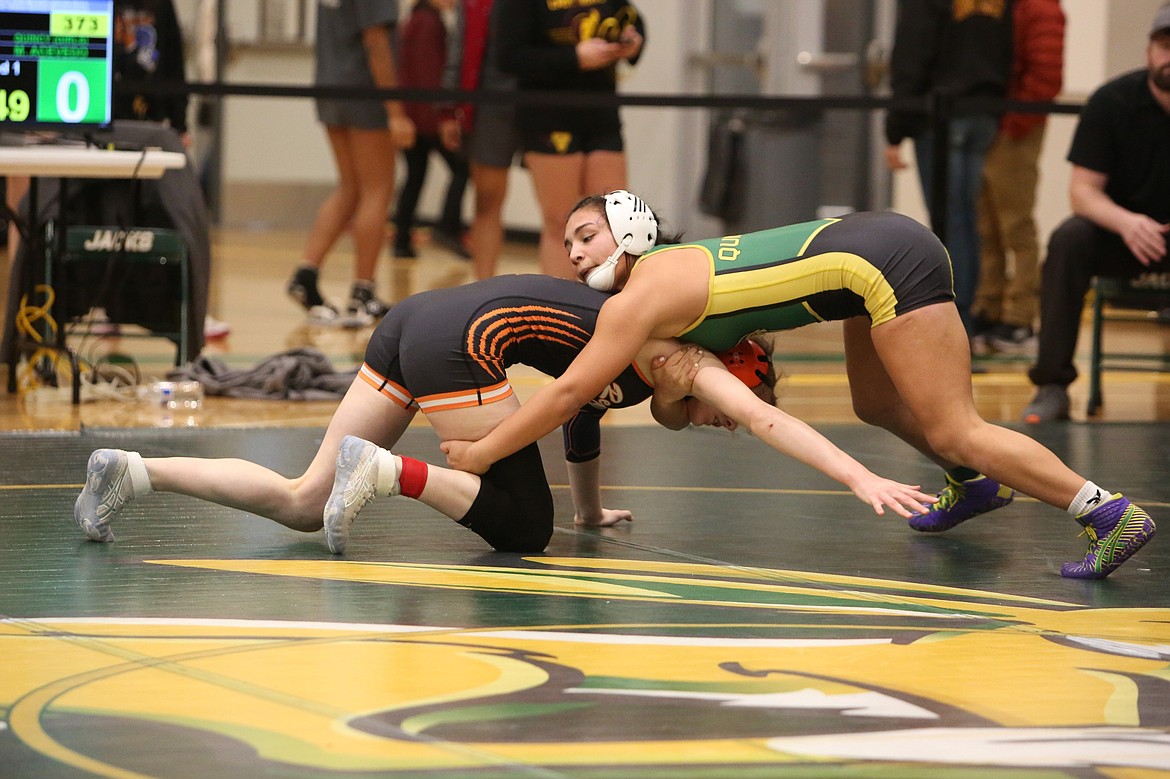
1120,193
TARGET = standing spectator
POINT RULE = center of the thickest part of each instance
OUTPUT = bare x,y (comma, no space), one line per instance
1005,304
571,47
421,57
960,50
208,108
148,45
485,132
1120,195
353,50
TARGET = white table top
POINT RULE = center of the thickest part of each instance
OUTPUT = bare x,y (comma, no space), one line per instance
52,161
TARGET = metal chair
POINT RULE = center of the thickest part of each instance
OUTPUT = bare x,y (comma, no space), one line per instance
1149,290
140,275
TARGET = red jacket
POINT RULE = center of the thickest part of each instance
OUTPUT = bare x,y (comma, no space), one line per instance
421,57
1038,66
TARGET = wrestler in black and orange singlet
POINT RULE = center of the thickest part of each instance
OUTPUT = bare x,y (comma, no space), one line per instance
449,348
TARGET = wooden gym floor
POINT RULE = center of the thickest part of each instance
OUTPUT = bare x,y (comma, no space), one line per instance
755,619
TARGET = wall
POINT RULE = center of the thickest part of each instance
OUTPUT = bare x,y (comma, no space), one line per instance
278,166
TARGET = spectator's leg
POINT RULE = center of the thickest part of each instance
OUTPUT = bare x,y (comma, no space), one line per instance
1064,281
487,226
559,183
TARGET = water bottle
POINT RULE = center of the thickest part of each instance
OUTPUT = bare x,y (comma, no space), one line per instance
175,395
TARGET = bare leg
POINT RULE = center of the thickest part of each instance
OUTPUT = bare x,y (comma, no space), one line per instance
486,233
558,180
605,171
297,502
449,491
938,393
875,398
372,156
300,502
333,217
365,471
365,186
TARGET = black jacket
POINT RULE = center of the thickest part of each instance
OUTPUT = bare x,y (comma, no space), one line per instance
940,49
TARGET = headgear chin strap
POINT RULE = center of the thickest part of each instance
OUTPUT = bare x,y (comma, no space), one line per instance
604,275
748,362
634,228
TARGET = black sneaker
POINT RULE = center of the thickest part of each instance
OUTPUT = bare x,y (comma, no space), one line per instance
303,289
452,242
1013,338
404,250
981,330
364,306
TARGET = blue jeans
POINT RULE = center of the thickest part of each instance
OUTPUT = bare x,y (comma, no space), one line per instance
970,138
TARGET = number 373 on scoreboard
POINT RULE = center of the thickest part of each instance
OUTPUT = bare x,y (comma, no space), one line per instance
55,68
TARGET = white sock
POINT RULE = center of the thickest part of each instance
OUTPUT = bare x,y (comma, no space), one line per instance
1090,497
388,468
139,478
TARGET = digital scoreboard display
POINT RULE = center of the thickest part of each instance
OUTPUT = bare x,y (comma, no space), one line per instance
56,63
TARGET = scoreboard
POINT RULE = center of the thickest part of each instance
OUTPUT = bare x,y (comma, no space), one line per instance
56,63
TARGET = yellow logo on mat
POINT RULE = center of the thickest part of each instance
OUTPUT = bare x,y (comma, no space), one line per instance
739,667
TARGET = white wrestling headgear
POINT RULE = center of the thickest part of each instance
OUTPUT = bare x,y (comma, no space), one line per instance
635,229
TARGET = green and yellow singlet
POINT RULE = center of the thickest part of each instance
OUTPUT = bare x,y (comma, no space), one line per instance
875,264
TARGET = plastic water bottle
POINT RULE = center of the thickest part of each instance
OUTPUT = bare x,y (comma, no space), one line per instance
175,395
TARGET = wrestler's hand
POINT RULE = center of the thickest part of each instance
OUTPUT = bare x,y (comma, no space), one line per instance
461,456
674,374
906,500
608,518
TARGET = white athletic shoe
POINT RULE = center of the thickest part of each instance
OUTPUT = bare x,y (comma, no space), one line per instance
107,489
354,485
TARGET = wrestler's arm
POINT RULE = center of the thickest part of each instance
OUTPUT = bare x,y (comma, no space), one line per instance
585,488
582,436
788,435
623,325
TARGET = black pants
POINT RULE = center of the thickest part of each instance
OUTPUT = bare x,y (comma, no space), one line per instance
417,159
1077,251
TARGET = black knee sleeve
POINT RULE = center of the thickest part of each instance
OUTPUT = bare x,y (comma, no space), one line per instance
514,509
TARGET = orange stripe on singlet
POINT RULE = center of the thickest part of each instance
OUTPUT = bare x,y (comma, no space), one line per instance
395,392
490,335
445,401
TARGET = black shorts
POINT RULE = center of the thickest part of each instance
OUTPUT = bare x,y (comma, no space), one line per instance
355,114
558,142
494,140
909,256
415,346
